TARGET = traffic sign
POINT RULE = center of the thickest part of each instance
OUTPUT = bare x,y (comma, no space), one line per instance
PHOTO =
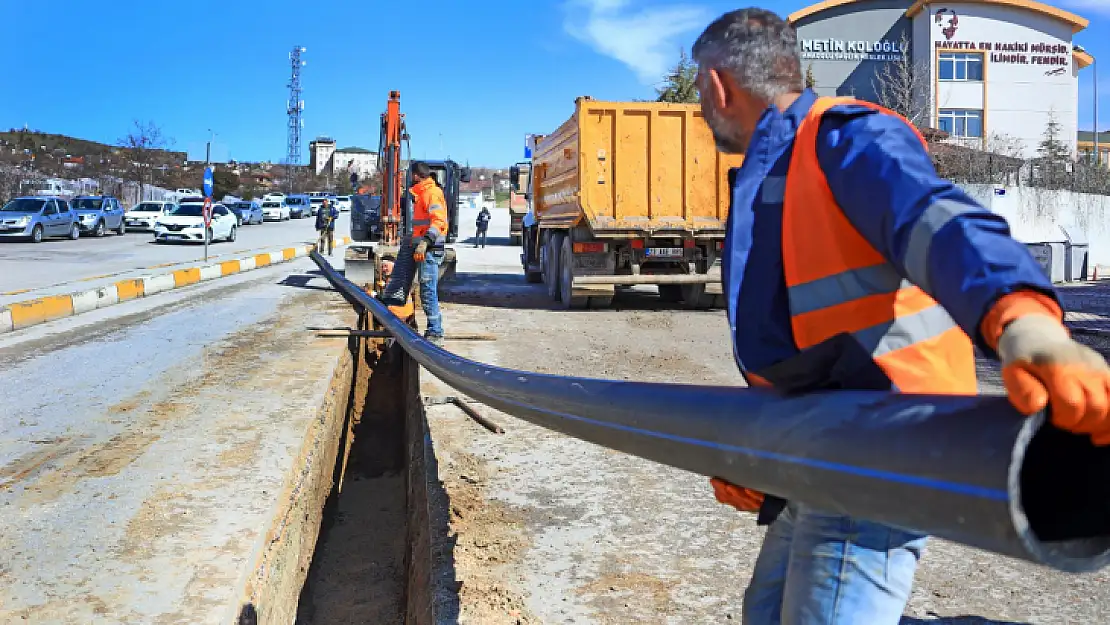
529,144
209,182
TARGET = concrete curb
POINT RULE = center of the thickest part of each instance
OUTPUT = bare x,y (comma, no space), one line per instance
25,314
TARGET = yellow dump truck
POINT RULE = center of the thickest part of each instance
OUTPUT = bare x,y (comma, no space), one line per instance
626,194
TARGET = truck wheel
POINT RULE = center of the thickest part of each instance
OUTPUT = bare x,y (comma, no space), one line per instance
566,277
551,266
695,298
670,293
531,277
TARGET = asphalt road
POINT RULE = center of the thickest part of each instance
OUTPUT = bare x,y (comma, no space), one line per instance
142,446
55,261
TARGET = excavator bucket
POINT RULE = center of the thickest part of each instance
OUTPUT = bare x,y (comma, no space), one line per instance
359,266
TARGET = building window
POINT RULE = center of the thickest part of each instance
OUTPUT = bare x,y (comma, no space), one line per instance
961,122
961,66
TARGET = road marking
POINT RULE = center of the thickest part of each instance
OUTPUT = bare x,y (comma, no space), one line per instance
16,292
289,253
229,267
261,260
40,310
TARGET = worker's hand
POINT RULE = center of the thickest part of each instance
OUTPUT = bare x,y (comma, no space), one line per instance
1042,365
743,499
421,251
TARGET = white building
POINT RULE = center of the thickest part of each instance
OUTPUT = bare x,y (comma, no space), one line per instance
325,158
996,70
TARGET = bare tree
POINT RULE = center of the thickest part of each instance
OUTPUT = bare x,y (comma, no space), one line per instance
143,147
905,88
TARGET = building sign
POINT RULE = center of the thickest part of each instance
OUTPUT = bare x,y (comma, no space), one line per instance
851,50
1011,52
1015,52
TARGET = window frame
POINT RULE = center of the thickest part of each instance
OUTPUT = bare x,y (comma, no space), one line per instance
960,59
960,117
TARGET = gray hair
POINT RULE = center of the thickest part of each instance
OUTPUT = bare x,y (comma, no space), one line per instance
757,47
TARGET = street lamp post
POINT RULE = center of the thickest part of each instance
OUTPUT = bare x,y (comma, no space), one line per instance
1094,69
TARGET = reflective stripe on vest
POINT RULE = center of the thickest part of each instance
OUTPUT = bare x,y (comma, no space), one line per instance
838,283
421,222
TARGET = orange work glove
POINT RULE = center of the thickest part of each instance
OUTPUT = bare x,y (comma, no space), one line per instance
743,499
421,251
1043,366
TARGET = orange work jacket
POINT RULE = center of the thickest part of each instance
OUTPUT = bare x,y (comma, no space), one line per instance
429,211
838,283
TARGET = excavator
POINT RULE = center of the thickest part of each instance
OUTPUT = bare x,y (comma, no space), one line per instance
381,224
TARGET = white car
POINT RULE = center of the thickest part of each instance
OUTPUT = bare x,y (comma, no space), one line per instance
273,210
143,215
273,197
186,224
343,203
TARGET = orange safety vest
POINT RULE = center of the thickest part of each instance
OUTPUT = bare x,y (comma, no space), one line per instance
839,283
429,211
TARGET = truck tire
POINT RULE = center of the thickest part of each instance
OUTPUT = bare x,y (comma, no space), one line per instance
694,297
551,266
566,277
531,277
670,293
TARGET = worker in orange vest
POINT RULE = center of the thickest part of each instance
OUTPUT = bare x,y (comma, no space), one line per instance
850,264
429,229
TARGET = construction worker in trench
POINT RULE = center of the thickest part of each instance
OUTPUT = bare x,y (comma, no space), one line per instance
850,264
429,229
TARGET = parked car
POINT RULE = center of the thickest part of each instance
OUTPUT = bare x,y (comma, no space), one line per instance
186,224
247,211
343,203
36,218
142,216
298,206
273,197
275,210
97,214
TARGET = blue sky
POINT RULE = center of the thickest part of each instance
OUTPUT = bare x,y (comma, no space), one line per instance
475,76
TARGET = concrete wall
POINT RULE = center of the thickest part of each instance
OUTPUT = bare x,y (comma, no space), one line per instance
831,45
1021,87
1037,215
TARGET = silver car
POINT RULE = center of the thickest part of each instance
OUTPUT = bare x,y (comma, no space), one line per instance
36,218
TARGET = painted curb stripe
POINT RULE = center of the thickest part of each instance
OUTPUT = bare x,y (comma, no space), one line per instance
40,310
21,315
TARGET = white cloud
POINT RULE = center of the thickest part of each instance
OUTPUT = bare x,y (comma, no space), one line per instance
644,40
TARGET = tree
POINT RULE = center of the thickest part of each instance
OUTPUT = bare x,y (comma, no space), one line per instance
811,81
141,147
1053,156
680,85
905,87
224,182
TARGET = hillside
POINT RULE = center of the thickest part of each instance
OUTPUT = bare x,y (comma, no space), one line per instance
42,142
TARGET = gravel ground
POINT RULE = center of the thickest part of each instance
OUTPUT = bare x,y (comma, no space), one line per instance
548,529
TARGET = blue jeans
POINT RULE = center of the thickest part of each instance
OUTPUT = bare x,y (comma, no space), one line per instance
822,569
429,295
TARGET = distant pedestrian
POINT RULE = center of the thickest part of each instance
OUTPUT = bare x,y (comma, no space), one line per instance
325,225
483,226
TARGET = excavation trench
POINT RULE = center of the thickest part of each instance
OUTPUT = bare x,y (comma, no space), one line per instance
371,562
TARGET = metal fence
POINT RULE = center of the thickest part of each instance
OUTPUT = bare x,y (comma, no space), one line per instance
964,468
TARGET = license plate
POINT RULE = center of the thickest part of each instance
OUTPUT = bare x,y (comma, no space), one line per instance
664,252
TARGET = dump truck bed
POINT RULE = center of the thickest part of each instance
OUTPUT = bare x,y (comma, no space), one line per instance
633,169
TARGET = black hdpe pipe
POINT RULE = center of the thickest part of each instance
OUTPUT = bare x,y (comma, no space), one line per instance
968,469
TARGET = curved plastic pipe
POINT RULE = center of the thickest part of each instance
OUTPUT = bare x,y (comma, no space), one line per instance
968,469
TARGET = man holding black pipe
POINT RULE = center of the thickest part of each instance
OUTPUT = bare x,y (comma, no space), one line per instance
850,264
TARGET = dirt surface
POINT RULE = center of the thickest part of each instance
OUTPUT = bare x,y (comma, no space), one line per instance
141,488
567,532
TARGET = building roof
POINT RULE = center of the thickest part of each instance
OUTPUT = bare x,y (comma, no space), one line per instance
1077,23
353,150
1088,136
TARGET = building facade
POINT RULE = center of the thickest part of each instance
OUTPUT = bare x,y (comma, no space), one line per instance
326,159
989,73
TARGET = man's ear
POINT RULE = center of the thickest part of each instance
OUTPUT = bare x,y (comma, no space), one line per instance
717,90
